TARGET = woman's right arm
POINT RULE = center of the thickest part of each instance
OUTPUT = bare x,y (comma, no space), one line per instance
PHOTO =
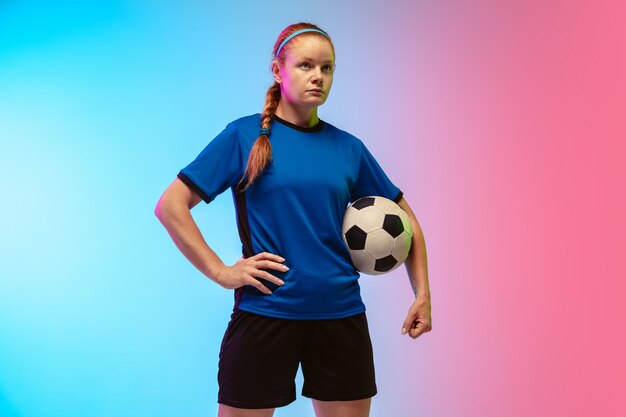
174,211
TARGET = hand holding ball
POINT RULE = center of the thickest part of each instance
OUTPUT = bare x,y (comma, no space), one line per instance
378,234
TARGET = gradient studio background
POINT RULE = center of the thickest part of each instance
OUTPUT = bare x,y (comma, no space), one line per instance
503,123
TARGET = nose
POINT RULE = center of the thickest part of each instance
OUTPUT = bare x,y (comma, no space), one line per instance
317,75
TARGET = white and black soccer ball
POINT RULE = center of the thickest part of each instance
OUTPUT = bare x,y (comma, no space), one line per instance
378,234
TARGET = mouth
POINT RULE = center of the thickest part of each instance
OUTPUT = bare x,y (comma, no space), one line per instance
316,90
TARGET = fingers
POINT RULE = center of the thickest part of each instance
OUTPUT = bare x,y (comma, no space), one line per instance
257,284
252,267
270,277
415,327
255,275
268,255
408,323
251,279
416,331
271,265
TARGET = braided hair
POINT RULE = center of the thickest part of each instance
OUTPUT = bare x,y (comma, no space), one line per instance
261,153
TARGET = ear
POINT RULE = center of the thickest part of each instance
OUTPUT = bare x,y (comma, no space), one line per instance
276,72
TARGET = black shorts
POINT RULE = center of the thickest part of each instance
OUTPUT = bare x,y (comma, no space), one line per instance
260,355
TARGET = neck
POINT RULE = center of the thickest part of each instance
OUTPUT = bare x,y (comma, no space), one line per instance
306,117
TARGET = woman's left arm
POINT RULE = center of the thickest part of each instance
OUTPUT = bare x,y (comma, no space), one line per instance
418,319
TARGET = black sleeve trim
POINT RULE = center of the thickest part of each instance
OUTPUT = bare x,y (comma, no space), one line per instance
398,198
193,186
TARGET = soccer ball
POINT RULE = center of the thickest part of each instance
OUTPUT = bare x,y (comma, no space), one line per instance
378,234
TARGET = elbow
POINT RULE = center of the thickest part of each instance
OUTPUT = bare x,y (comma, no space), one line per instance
169,209
162,209
158,211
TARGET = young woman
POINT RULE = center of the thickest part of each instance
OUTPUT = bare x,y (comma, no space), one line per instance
297,297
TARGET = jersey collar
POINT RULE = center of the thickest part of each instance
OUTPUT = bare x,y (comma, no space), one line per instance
319,126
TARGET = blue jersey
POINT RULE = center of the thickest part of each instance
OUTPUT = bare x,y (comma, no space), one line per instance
294,209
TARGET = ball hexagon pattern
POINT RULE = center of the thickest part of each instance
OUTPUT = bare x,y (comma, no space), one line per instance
378,234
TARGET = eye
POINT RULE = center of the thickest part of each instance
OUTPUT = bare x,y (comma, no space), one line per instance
305,64
327,68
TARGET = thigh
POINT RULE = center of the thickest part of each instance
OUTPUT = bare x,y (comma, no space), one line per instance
338,360
258,361
228,411
356,408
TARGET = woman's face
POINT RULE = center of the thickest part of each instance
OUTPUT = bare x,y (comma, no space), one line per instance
309,66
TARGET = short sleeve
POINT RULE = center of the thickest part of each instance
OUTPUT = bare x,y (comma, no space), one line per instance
371,180
218,167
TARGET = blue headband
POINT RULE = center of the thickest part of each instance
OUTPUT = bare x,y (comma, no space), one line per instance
297,33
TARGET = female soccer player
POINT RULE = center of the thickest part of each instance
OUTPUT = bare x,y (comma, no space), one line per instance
297,297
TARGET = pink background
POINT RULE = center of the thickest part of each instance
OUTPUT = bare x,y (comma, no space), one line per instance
514,125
